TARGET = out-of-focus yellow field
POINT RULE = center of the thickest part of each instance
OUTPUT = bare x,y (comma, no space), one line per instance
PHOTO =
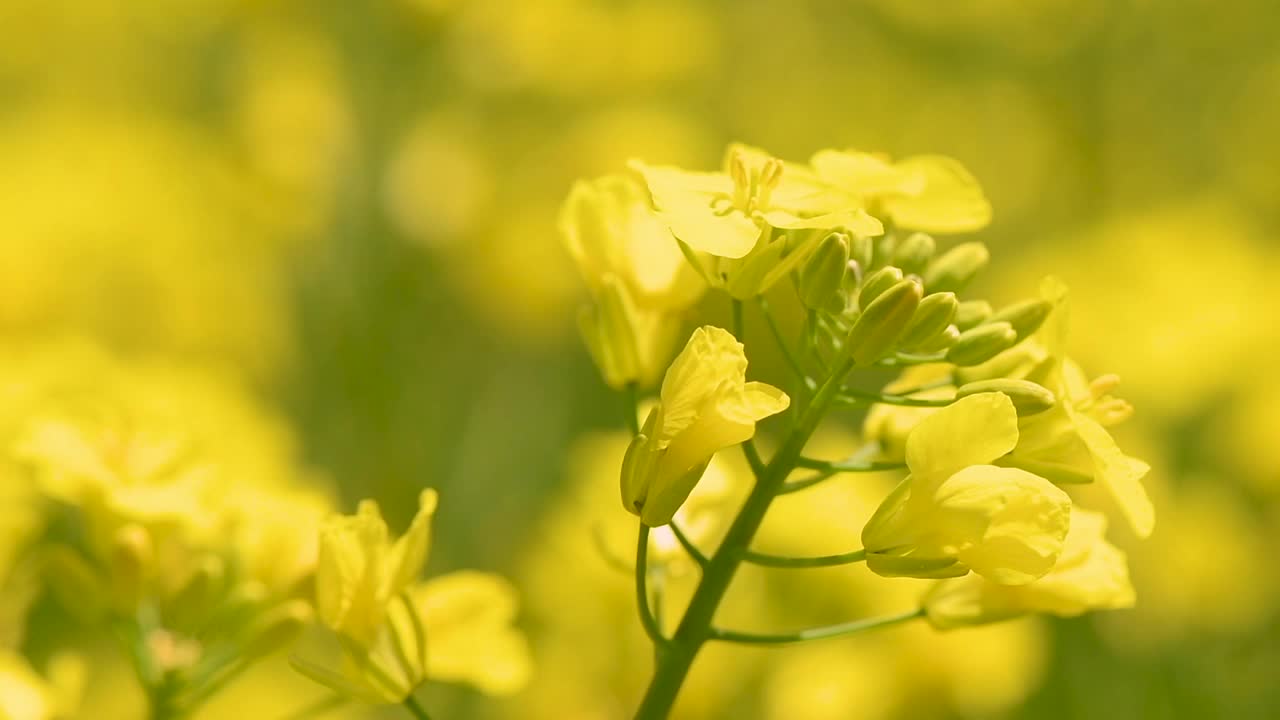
321,237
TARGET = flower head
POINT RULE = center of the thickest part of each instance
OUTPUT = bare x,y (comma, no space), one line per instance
726,220
705,405
958,512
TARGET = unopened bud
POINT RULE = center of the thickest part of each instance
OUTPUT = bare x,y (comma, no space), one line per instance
953,270
609,333
1028,398
876,283
882,323
1025,316
971,313
931,318
821,276
862,251
943,340
278,628
914,253
202,589
982,343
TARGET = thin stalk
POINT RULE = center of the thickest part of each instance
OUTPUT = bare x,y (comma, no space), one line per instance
647,620
847,466
857,397
792,361
415,709
817,633
694,629
697,555
783,561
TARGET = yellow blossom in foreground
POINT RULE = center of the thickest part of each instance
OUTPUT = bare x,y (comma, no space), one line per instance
726,220
956,511
931,193
1091,574
368,594
706,405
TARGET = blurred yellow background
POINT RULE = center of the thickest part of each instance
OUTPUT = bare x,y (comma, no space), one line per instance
339,219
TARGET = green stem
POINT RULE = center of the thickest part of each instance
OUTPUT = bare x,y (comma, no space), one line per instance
674,661
792,361
782,561
856,397
818,633
415,709
647,620
846,466
697,555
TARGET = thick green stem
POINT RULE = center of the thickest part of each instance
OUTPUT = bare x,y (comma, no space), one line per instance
675,659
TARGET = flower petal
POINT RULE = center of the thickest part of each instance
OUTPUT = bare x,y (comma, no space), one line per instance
974,430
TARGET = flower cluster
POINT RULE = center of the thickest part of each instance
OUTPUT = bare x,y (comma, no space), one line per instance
994,425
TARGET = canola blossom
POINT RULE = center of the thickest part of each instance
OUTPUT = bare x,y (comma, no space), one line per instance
988,420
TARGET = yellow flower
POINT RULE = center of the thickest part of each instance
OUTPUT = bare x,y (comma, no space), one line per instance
1091,574
609,229
638,277
956,511
1069,443
930,193
705,405
367,592
361,571
726,219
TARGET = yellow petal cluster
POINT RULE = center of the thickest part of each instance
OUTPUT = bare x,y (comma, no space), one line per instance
705,406
726,220
1091,574
957,511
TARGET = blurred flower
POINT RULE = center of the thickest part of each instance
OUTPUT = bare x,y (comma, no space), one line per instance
368,594
638,278
24,695
957,512
931,193
706,405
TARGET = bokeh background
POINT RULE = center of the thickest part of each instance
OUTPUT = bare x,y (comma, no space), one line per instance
339,218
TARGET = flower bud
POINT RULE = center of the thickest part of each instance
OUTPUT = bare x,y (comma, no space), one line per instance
876,283
972,312
1028,398
982,343
1025,316
882,323
955,268
862,250
914,253
821,276
609,332
943,340
931,318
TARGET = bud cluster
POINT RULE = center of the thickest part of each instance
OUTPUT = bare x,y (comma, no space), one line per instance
876,298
